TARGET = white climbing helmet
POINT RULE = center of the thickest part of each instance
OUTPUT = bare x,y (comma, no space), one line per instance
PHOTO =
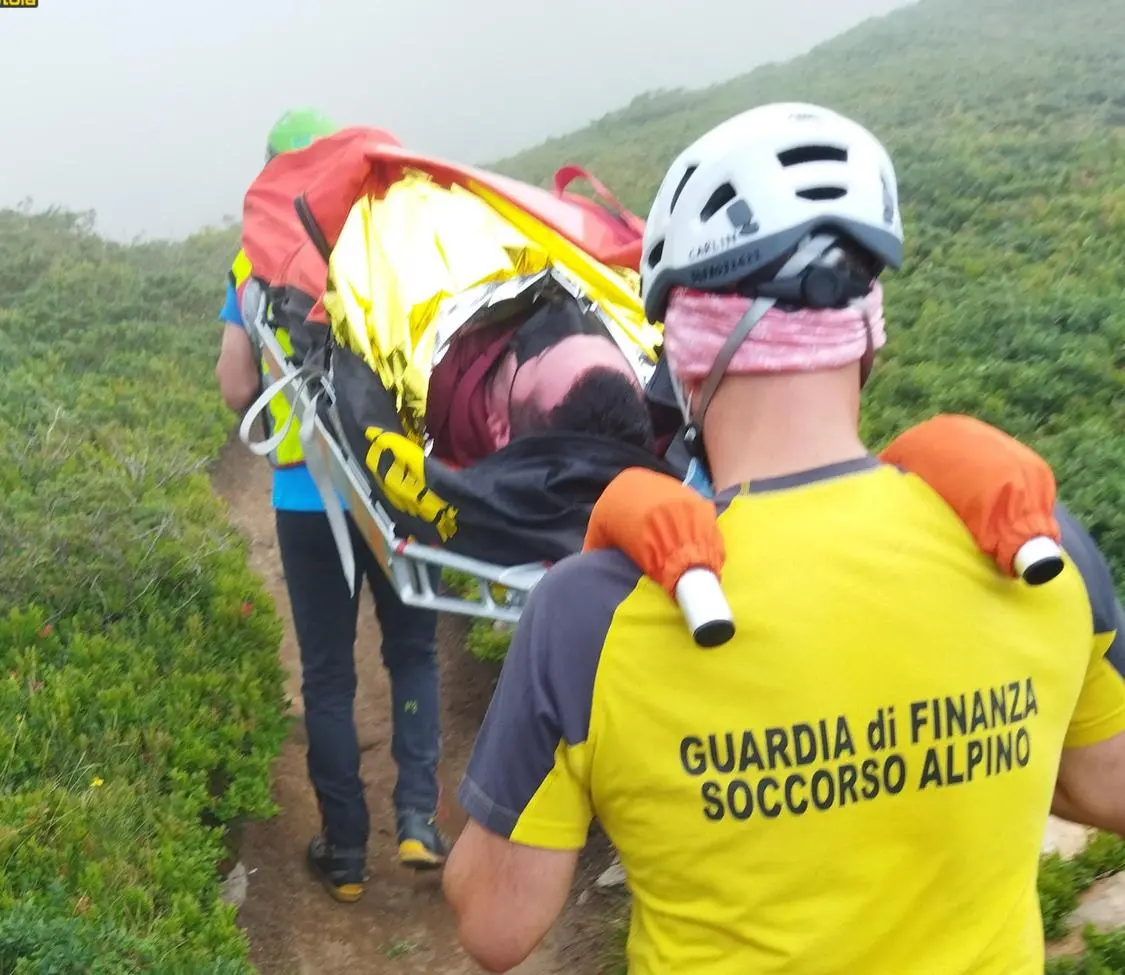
745,195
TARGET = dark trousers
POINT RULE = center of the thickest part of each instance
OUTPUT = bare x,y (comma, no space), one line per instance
325,616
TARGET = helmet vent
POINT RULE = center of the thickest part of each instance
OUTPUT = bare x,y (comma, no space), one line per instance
719,199
679,189
808,154
822,193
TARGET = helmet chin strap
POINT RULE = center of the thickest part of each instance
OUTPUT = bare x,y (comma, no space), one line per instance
867,363
815,248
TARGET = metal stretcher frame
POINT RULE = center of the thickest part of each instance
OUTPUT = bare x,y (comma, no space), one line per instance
501,591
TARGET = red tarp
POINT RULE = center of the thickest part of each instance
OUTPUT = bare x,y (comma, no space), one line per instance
367,161
295,209
271,229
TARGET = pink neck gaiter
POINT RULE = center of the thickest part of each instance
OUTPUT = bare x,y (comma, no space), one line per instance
697,324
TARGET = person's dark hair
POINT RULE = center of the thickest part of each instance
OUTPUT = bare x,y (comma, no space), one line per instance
602,403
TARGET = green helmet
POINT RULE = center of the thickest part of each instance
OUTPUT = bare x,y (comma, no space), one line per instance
296,129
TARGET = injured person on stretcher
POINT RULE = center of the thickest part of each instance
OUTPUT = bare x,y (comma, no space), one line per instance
558,369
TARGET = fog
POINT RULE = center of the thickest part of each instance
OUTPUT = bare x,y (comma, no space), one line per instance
154,114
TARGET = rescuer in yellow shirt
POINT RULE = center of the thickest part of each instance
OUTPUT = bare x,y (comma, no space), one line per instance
325,616
859,781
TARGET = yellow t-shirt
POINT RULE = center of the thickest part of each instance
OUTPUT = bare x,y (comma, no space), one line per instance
858,782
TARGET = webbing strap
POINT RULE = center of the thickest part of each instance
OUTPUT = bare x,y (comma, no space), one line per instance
332,507
265,447
754,314
568,174
305,379
255,303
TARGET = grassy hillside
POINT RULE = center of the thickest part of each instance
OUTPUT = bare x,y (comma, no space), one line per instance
140,694
1006,119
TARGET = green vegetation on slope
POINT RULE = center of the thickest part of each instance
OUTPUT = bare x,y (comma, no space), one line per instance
1006,119
141,698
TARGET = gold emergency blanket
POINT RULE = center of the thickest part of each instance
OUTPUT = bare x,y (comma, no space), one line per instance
400,257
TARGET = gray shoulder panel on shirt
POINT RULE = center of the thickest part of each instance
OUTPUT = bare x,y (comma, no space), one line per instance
546,688
1088,559
1090,562
572,609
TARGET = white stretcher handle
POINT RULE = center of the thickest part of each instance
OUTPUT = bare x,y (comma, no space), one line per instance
1038,560
705,608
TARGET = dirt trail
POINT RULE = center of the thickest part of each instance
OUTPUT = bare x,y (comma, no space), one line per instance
402,924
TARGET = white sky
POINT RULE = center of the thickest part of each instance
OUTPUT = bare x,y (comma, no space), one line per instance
154,113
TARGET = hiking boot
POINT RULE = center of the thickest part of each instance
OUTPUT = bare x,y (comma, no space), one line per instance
341,871
420,843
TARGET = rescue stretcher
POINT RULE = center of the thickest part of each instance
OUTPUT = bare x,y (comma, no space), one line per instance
499,592
369,259
340,212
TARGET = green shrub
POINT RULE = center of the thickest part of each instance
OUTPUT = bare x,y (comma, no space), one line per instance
1104,955
141,698
1062,882
486,640
489,641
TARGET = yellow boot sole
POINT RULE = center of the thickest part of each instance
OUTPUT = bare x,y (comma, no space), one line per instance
413,854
